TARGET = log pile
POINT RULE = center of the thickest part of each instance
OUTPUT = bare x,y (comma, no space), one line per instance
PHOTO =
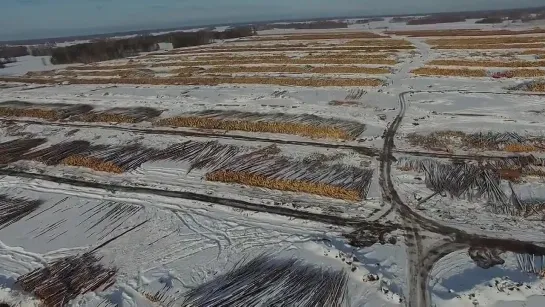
92,163
52,111
304,124
281,81
299,69
450,72
65,279
120,115
271,281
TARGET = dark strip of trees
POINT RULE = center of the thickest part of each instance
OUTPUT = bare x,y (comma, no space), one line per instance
110,49
368,20
7,60
436,19
490,20
13,51
324,24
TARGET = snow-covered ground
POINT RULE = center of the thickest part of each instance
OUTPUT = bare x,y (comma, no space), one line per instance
29,63
188,242
184,243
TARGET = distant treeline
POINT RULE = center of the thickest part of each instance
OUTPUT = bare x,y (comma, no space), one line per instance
110,49
490,20
13,51
41,50
102,50
368,20
324,24
19,51
532,17
434,19
489,16
400,19
5,61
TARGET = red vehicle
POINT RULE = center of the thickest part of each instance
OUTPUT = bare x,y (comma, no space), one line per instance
502,74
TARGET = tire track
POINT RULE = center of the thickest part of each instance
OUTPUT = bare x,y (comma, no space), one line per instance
238,204
417,297
367,151
420,263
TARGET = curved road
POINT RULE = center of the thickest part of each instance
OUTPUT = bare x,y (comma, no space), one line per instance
416,297
419,263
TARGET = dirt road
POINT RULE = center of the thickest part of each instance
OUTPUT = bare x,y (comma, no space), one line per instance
420,261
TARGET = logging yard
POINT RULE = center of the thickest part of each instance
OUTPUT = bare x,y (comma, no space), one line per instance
368,166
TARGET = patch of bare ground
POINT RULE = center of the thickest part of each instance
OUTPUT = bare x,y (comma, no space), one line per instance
282,81
463,32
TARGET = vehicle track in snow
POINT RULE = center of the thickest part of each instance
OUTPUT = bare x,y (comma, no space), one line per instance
367,151
233,203
419,260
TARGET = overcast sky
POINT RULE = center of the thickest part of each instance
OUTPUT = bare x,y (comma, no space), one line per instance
23,19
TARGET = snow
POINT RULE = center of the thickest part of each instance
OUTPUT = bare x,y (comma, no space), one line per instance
205,239
186,242
28,63
459,282
15,298
71,43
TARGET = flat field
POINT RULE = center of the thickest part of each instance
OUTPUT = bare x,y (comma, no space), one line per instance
358,167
